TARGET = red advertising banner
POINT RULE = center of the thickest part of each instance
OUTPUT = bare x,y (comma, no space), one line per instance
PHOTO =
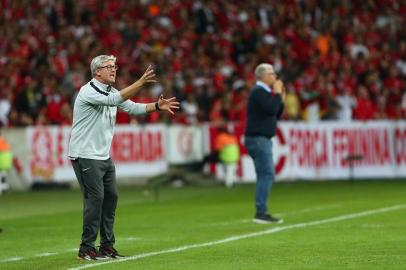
332,150
311,151
136,151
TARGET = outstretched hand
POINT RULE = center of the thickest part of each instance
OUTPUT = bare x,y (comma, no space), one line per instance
133,89
168,104
148,76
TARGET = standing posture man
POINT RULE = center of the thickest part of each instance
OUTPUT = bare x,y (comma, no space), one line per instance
94,117
265,106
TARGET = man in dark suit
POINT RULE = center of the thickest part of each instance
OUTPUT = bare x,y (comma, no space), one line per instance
265,106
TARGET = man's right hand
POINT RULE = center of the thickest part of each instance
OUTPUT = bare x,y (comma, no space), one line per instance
278,87
148,76
132,90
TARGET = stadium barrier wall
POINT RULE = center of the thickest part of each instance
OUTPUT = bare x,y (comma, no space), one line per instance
332,150
136,150
310,151
185,144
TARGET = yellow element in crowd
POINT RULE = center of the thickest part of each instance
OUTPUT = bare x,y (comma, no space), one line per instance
227,145
6,157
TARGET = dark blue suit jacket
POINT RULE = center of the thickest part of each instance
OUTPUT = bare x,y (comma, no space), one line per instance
263,111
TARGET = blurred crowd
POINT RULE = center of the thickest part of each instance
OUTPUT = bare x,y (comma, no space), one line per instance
340,59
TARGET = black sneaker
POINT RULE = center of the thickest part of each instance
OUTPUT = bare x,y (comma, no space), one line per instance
266,219
91,255
110,252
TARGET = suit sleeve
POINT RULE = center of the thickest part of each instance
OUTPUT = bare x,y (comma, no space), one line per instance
271,104
282,107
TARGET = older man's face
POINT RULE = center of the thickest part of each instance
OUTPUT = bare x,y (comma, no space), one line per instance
107,72
269,76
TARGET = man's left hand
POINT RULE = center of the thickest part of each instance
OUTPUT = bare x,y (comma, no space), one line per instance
168,104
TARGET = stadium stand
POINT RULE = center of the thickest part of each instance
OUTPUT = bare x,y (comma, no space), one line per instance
342,59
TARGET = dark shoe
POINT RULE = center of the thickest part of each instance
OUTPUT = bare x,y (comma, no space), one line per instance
91,255
110,252
266,219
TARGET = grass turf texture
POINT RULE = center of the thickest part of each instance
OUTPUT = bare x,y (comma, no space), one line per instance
37,224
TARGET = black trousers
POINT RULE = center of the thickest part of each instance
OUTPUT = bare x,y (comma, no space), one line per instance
97,179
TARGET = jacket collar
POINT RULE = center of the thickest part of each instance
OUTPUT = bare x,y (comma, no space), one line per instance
102,86
264,86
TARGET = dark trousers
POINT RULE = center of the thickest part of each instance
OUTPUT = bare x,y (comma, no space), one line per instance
97,179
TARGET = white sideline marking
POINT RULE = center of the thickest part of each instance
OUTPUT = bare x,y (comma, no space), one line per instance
13,259
291,213
128,239
305,210
249,235
46,254
310,209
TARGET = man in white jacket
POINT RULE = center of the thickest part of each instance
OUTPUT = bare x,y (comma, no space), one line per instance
94,118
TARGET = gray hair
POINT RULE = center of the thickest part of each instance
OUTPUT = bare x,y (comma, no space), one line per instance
98,61
261,69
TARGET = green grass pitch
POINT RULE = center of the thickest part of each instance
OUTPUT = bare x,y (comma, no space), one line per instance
328,225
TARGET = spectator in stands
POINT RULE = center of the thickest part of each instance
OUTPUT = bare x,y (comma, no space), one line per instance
6,160
190,109
292,104
380,112
5,106
394,97
202,46
226,144
265,106
364,109
310,98
403,106
346,103
92,133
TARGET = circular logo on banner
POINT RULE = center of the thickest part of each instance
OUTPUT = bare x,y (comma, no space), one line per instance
282,158
41,162
185,142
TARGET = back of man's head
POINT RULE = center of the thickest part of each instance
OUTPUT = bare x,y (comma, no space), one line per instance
261,69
